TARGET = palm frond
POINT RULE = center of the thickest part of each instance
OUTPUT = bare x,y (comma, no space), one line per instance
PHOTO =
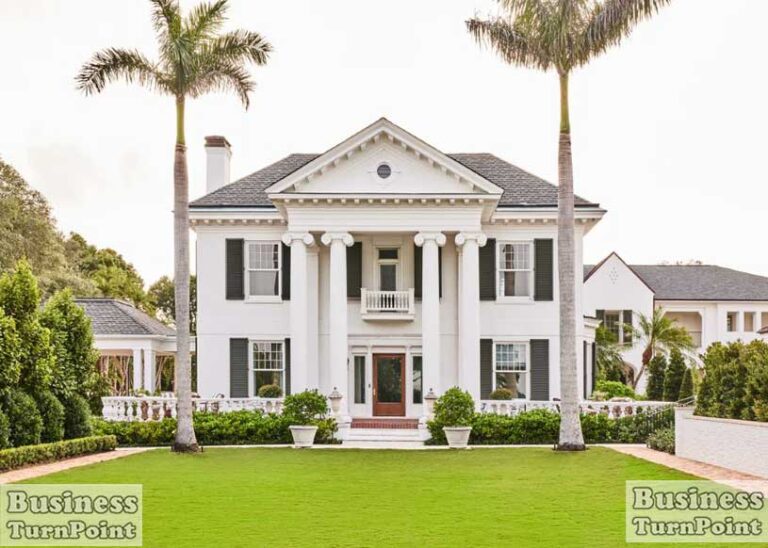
222,75
114,64
612,20
206,19
239,45
509,42
165,15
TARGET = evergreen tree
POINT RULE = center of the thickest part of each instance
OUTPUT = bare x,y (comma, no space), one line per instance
673,378
657,369
686,387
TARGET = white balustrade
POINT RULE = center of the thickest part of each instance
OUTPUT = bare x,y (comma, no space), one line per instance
613,409
154,408
399,302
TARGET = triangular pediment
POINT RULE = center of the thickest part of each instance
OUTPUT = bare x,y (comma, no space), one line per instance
384,159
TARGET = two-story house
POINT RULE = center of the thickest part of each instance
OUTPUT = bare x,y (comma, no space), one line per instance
383,269
712,302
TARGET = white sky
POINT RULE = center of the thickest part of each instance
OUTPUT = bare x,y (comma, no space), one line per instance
669,130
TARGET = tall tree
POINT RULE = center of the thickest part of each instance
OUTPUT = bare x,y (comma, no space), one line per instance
195,58
660,334
562,35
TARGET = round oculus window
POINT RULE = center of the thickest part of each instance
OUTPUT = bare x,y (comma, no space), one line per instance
384,171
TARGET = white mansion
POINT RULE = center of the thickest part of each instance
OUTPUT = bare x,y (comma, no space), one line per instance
385,269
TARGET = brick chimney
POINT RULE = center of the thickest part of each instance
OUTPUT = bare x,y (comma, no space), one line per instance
218,153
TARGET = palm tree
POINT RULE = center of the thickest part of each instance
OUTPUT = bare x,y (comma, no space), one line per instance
195,58
562,35
660,334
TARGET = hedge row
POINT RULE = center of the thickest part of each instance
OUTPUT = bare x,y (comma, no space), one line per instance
18,457
234,428
541,426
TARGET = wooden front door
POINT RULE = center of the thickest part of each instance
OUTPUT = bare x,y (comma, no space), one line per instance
389,385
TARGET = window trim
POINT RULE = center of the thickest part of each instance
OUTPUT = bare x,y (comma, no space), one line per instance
531,272
252,389
247,278
527,371
397,262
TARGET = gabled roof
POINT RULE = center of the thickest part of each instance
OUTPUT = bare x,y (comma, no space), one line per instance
115,317
696,282
520,188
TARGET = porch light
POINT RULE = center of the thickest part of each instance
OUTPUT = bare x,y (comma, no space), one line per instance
335,398
429,399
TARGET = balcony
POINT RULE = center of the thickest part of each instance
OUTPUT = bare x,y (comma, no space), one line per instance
387,305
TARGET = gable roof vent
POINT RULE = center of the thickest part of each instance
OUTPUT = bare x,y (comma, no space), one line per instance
384,171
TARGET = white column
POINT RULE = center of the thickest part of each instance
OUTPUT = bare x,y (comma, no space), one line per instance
338,344
469,311
138,367
149,370
430,308
299,307
313,303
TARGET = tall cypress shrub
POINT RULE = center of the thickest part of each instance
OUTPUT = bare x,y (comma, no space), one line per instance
673,378
657,368
686,387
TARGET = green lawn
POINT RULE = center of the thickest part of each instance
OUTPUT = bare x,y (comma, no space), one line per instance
285,497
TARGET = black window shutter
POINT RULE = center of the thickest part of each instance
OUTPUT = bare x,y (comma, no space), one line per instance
440,272
354,270
543,270
287,357
627,319
594,368
286,272
540,369
486,368
238,368
488,271
600,315
235,270
584,368
417,271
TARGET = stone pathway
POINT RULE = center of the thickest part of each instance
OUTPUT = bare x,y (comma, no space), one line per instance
725,476
51,467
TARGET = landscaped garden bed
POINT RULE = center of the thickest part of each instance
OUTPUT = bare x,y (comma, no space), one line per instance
28,455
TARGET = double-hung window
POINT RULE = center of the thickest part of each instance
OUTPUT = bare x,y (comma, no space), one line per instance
515,269
268,364
510,365
388,263
263,269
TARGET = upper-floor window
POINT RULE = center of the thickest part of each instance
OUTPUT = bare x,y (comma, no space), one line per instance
731,321
510,367
263,269
388,264
515,269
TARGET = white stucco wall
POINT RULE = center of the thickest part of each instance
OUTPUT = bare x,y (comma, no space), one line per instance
738,445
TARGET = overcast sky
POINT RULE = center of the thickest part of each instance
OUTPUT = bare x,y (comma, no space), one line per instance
669,130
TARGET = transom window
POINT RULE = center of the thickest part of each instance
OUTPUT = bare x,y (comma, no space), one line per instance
263,269
268,364
510,365
388,264
515,269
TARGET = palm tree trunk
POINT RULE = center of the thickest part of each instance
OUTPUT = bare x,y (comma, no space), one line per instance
571,438
185,432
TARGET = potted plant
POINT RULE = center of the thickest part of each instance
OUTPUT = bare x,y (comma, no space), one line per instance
303,411
455,410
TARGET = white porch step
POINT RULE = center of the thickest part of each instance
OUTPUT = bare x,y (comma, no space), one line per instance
383,436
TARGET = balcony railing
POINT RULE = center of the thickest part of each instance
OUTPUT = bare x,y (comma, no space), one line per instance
387,304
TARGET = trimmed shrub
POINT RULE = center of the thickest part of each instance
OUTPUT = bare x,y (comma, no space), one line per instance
455,408
657,367
5,432
24,418
614,389
19,457
673,377
270,391
305,407
501,394
663,440
77,418
686,387
723,390
52,413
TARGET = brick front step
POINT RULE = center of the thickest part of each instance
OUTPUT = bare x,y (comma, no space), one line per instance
381,423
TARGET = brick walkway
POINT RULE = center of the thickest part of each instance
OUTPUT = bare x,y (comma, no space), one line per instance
725,476
45,469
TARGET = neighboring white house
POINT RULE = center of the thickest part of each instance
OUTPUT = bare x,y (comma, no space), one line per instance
713,303
382,268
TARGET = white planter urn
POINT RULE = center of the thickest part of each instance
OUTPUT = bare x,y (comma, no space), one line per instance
303,436
457,436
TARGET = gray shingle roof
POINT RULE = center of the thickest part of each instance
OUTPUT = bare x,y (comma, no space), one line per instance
700,283
521,189
114,317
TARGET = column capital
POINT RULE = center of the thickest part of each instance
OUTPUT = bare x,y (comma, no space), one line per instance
345,237
437,237
306,237
463,237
